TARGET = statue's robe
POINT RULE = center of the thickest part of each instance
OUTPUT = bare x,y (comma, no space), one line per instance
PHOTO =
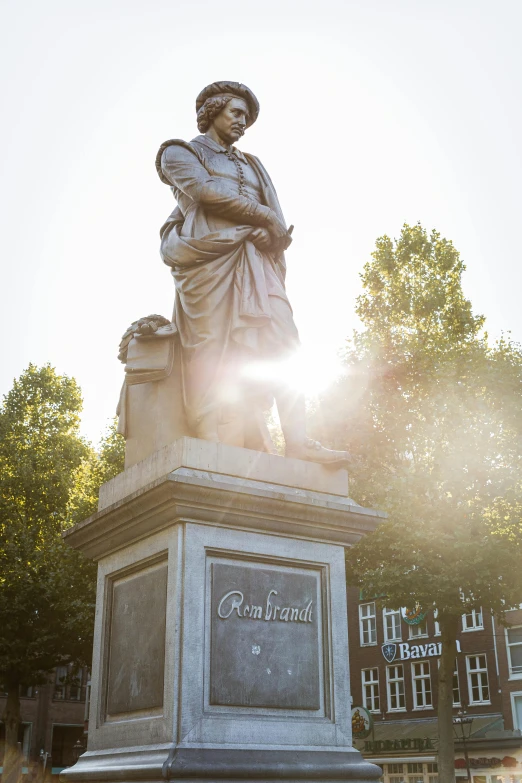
231,309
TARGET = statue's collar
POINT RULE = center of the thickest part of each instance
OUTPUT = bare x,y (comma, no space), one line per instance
213,145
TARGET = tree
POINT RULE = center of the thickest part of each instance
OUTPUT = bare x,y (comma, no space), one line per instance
431,413
47,589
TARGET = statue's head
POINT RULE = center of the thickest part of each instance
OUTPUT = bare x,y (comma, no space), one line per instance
229,107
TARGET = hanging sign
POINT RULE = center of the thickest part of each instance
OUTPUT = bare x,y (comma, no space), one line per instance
362,722
413,616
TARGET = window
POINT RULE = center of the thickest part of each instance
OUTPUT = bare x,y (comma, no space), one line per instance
433,770
456,689
420,673
436,622
69,684
26,692
514,645
24,739
395,685
414,768
395,772
516,707
473,620
392,625
367,624
59,682
370,687
478,685
420,630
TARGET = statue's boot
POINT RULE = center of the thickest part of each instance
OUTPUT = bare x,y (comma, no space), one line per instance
313,451
292,415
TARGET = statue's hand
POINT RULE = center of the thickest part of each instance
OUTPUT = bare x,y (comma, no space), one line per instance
276,226
281,236
261,239
284,243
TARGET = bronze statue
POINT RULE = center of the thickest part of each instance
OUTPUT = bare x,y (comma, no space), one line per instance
225,243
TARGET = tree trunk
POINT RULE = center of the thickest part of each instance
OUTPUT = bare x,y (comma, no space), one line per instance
448,630
12,755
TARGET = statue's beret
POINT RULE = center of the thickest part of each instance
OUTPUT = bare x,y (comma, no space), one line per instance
231,88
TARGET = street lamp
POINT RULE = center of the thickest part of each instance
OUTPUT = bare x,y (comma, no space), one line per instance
78,749
463,720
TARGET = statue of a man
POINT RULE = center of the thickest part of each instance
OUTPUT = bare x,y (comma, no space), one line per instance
225,244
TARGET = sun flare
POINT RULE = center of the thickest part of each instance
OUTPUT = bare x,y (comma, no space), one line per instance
310,371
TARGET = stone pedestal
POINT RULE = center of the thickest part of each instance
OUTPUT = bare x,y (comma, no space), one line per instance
221,650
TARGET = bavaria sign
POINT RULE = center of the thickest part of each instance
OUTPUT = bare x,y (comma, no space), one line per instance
403,650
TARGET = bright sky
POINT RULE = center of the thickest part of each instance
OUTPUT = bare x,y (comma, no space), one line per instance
373,113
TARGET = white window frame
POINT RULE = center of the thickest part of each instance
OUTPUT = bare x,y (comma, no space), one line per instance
423,677
375,694
456,674
436,622
394,681
364,618
512,675
477,621
422,628
513,695
478,671
396,613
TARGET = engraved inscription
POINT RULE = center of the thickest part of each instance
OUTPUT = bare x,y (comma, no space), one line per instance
265,637
234,602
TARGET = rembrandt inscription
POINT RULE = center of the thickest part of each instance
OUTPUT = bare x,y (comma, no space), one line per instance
265,637
234,601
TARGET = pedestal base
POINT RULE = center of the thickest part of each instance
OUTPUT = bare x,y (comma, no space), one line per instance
221,648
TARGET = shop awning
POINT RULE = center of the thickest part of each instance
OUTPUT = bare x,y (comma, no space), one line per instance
400,738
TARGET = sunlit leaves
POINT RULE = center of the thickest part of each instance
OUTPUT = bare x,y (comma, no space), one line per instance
432,413
49,477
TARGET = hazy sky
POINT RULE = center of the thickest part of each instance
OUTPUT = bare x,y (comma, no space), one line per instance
373,113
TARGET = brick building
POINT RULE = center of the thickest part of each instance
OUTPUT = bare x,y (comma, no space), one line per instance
53,721
394,669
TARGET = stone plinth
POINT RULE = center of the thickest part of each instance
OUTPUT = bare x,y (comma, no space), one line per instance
221,648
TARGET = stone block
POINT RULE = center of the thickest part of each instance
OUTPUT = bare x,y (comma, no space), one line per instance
219,458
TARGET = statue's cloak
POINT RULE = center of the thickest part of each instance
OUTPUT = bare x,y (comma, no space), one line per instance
231,309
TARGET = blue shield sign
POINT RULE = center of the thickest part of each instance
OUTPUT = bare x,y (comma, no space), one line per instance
389,651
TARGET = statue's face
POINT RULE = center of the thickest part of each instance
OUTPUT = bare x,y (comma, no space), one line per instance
231,121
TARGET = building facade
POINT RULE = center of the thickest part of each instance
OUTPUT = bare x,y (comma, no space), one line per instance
394,672
53,723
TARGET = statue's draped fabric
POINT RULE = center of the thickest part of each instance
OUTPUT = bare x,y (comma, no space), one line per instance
231,307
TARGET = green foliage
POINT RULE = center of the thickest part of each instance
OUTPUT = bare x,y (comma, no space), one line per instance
431,413
97,468
49,477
